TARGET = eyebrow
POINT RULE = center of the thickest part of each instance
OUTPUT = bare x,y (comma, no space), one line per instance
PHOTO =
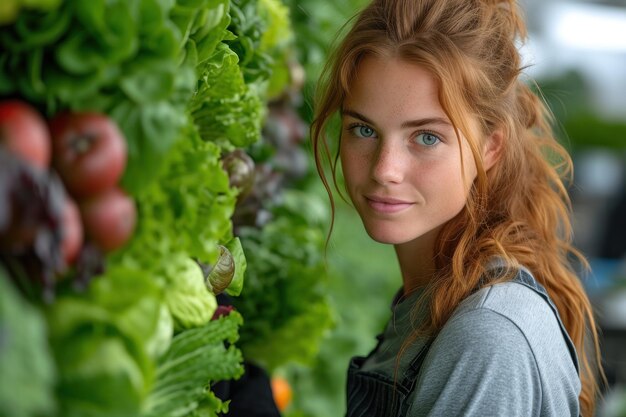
407,124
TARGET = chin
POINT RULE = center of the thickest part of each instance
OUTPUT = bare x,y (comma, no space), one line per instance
387,236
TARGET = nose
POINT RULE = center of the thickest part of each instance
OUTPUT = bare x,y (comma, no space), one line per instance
388,164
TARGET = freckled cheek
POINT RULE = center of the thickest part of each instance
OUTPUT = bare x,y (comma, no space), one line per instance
439,179
354,169
354,162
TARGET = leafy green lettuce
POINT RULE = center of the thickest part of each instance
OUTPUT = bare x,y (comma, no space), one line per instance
226,110
187,211
285,300
161,69
279,33
196,358
263,43
203,24
183,216
242,73
187,297
28,372
106,342
132,59
277,41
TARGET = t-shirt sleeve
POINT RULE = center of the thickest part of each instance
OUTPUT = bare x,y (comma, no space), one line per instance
480,365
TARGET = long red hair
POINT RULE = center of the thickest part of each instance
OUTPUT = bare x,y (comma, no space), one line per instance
518,210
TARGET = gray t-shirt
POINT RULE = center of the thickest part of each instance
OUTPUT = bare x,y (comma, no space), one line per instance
502,353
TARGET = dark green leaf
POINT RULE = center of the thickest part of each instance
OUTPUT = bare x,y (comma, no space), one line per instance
195,358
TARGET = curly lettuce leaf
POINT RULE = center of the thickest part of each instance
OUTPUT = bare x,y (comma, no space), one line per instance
263,37
211,406
187,211
203,24
105,344
226,110
248,27
186,295
183,216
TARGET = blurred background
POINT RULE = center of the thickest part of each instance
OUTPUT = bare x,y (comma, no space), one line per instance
576,51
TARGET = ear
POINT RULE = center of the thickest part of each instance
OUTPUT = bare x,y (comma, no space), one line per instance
493,148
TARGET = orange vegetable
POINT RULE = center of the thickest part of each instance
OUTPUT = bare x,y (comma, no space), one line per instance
282,392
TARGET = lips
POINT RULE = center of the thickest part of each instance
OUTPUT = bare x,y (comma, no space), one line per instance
387,204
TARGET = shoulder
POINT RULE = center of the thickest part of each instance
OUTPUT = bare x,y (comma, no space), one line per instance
520,306
512,317
502,349
521,309
491,329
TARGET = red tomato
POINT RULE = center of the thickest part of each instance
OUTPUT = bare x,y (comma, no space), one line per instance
89,152
24,132
109,219
72,229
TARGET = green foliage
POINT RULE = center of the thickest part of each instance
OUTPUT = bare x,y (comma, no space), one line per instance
203,24
577,123
262,39
105,343
9,9
285,298
210,406
589,130
184,215
118,57
186,295
248,26
28,372
318,25
236,250
140,340
363,276
226,110
195,358
278,33
187,211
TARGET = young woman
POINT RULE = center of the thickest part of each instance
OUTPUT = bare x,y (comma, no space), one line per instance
448,155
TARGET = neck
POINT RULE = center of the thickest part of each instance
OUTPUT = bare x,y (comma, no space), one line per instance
417,261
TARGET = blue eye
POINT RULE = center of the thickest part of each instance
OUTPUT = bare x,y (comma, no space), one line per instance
427,139
363,131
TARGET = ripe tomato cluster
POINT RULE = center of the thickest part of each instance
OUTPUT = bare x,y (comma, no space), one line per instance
88,152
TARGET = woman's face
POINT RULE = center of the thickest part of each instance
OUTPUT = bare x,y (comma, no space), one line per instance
400,156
